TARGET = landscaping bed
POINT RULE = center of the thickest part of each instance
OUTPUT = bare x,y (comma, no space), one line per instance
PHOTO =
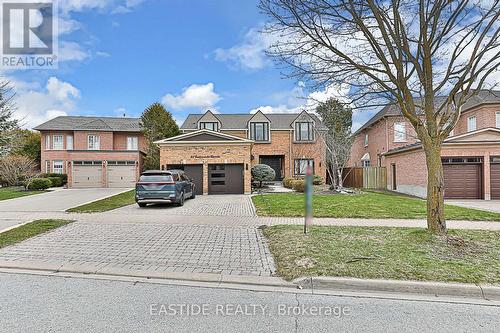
361,205
15,192
29,230
104,205
467,256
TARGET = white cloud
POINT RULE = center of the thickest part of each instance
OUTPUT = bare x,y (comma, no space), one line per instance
34,107
195,96
250,53
71,51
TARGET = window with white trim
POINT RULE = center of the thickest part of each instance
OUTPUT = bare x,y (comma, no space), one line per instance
300,166
259,131
132,143
365,163
471,124
498,119
399,132
93,142
47,142
366,139
304,131
57,142
69,142
212,126
57,167
47,166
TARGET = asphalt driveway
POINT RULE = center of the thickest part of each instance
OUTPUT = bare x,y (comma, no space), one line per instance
56,201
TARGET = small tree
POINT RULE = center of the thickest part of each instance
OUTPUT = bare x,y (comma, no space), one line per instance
27,143
17,170
337,117
263,172
157,123
7,122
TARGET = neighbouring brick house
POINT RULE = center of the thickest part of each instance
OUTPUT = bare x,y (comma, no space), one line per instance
93,151
470,155
218,150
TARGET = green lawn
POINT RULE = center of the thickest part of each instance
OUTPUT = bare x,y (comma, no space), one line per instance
363,205
468,256
116,201
15,192
29,230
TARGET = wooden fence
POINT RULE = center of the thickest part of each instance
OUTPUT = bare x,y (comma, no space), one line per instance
367,177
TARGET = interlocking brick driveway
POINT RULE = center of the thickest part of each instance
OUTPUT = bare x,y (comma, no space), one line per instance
233,250
206,205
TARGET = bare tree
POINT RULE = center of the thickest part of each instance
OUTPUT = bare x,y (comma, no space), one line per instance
427,57
17,170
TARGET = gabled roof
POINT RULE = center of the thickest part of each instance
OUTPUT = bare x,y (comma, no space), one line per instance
279,121
81,123
482,97
203,135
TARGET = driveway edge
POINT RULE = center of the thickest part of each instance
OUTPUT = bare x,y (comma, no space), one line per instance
478,291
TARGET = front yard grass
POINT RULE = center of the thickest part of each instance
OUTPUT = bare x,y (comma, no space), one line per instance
29,230
15,192
103,205
468,256
363,205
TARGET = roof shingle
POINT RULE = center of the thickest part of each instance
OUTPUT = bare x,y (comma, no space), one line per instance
81,123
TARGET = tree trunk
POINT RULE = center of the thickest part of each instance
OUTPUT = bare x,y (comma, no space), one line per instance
339,179
435,189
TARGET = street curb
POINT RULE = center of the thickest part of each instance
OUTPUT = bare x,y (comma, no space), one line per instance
111,271
488,292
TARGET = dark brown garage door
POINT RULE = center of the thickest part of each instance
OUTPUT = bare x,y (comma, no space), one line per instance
495,179
462,181
225,179
193,171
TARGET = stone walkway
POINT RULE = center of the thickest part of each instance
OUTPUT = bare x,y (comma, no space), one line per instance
227,250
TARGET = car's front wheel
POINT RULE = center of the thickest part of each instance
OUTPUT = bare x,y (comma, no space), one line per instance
193,194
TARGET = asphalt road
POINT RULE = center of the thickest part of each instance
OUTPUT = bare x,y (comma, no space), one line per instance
31,303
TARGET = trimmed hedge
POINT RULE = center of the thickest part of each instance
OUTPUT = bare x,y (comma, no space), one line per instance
39,184
63,176
56,181
299,185
287,182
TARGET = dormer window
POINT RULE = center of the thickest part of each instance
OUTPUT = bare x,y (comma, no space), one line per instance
259,131
304,131
212,126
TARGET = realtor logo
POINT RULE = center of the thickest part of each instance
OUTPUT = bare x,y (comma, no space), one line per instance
29,34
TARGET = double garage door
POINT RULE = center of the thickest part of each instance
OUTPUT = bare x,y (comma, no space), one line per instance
88,174
222,178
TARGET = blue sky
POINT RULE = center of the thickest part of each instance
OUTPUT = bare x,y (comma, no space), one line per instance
119,56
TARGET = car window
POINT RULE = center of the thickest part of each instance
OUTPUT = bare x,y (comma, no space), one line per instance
155,178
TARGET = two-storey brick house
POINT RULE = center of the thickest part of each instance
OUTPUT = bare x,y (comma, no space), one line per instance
93,151
470,155
219,150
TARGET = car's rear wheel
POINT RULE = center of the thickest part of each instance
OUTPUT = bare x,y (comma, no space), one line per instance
181,199
142,205
193,194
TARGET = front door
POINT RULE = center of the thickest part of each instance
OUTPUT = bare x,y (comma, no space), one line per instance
276,163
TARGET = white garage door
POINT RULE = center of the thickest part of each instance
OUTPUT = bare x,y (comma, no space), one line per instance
87,174
121,174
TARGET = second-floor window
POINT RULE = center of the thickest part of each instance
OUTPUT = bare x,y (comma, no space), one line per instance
366,139
259,131
471,124
132,143
47,142
57,142
212,126
69,142
399,132
304,131
498,119
93,142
